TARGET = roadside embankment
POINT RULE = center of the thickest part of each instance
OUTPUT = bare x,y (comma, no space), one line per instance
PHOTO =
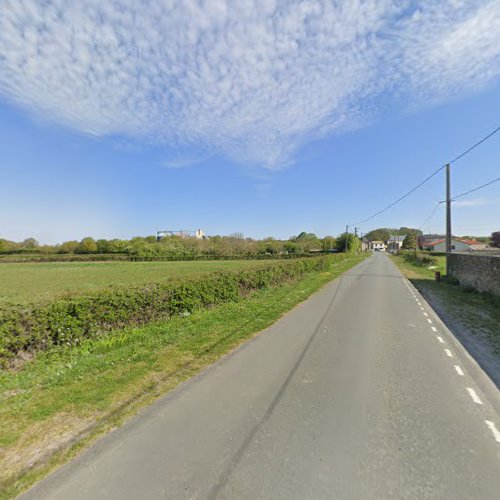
472,316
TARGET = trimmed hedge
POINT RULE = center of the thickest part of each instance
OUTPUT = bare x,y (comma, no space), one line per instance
108,257
67,321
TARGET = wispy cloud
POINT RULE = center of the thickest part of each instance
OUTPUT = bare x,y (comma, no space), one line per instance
251,80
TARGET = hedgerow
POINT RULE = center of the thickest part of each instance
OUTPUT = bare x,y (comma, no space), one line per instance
67,321
169,257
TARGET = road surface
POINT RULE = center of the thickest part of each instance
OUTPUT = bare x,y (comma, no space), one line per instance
358,393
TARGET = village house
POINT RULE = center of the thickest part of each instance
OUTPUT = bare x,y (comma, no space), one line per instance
377,246
457,245
395,243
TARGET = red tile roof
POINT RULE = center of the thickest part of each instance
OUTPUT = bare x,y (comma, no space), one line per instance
468,242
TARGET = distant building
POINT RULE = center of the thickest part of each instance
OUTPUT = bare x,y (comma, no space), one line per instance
395,243
427,239
457,245
377,246
181,233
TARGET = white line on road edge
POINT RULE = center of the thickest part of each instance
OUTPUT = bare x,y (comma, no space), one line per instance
448,353
440,339
459,370
425,314
474,396
429,321
493,429
434,329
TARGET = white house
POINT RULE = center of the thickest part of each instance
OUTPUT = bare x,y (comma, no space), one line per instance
457,245
377,246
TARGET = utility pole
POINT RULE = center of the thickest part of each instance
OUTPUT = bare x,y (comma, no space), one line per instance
355,231
448,220
346,233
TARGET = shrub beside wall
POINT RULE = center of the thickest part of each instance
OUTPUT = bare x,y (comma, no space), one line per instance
419,258
70,320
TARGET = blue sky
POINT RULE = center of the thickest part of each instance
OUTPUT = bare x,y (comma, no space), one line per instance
263,119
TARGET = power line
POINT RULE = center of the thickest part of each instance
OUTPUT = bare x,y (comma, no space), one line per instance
476,189
401,198
436,206
475,145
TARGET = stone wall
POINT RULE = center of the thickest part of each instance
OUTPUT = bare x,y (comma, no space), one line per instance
481,272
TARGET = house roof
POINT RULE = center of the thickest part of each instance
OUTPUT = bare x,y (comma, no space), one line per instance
467,242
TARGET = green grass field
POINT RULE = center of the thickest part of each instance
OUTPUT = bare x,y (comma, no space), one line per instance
34,282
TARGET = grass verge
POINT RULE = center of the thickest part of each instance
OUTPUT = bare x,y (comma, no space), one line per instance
475,313
62,401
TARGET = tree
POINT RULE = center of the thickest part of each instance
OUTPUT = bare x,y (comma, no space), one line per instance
291,247
410,241
381,234
87,245
30,243
353,243
328,243
102,246
68,247
7,246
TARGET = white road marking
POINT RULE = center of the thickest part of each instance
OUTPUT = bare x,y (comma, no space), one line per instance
434,329
425,314
440,339
429,321
474,396
448,353
459,370
496,432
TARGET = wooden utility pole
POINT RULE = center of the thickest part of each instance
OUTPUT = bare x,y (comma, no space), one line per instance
346,237
448,220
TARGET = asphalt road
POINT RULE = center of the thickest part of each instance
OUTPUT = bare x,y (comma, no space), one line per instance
358,393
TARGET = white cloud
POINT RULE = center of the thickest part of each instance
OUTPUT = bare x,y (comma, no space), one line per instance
450,47
251,80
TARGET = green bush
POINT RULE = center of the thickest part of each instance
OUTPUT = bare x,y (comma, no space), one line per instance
67,321
419,258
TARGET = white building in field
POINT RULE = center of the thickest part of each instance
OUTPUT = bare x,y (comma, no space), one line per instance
377,246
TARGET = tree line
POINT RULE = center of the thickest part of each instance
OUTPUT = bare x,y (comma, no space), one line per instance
177,247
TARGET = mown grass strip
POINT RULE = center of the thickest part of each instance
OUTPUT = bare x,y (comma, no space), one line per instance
478,312
67,397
